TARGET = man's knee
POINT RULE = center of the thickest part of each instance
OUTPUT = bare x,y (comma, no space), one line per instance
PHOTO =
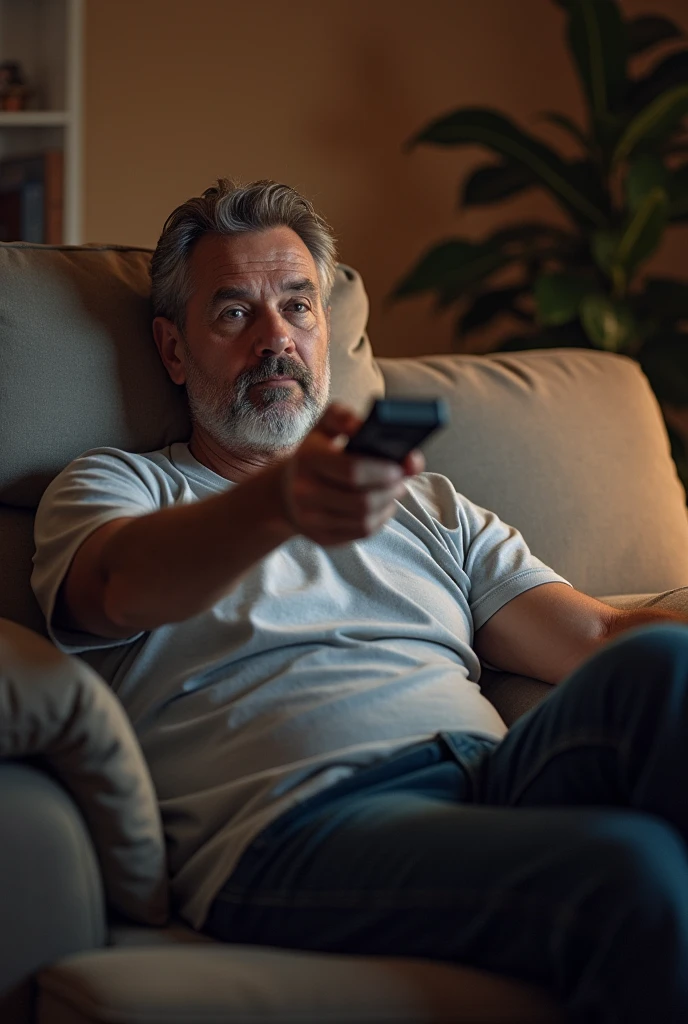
639,864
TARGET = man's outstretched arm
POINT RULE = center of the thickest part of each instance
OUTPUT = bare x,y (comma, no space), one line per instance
550,630
136,574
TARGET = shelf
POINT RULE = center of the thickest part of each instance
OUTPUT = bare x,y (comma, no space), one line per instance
33,118
46,38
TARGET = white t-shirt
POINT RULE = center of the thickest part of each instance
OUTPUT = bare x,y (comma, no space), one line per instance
320,661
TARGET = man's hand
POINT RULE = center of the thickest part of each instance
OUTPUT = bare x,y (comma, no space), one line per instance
332,497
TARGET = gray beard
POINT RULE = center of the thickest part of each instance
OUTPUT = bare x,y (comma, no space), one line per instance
251,422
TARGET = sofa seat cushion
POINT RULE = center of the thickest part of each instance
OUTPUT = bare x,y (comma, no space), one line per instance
124,934
225,984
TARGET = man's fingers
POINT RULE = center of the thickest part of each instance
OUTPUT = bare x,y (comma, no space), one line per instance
349,505
413,463
354,472
328,529
334,497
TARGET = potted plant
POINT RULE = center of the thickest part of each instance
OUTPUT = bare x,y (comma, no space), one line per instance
582,285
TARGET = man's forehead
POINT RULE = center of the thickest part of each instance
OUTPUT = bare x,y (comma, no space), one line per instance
251,258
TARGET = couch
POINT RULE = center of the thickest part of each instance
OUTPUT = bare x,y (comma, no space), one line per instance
567,445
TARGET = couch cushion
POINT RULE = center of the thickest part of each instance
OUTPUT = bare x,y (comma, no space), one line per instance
356,377
80,368
17,600
569,446
57,709
245,985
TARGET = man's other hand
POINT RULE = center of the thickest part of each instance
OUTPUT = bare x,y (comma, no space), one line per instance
333,497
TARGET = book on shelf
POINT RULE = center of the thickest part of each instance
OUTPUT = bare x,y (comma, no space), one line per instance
31,198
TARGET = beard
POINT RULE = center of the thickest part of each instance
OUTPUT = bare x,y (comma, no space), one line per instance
254,421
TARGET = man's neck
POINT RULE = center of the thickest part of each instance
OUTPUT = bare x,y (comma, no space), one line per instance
232,465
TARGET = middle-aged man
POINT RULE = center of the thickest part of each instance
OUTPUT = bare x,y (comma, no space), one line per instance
301,631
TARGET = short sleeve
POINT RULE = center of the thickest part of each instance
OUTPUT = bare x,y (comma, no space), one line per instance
95,489
498,562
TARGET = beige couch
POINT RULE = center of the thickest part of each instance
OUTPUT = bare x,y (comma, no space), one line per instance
567,445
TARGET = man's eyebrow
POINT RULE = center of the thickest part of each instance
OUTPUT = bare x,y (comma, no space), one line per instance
226,294
301,284
231,292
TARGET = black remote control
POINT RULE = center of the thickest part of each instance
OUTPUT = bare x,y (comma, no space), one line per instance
396,426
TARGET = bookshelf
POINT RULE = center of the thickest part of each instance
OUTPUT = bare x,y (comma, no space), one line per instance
45,36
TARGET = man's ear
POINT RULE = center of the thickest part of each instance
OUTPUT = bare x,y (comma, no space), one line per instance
171,348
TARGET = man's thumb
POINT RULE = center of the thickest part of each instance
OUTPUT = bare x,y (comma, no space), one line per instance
338,419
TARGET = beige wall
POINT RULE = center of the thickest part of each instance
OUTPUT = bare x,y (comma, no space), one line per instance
321,95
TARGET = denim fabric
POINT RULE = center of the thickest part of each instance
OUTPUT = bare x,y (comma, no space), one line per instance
556,856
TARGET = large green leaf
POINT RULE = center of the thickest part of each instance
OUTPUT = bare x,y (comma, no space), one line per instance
597,40
568,125
456,263
588,177
648,30
487,306
644,231
530,242
678,193
666,74
655,123
609,325
645,172
470,126
528,233
603,246
558,298
493,182
664,360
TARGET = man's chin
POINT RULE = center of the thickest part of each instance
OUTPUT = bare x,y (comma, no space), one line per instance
275,427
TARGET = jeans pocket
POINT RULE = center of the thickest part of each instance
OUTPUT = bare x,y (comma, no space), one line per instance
469,751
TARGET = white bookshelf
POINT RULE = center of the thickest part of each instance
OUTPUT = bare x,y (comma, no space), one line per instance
46,36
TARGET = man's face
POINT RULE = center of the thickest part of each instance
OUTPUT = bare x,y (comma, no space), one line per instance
254,350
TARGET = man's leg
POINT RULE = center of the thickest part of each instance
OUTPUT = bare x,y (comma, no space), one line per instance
614,733
591,903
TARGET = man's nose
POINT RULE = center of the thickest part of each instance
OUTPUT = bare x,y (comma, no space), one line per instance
272,338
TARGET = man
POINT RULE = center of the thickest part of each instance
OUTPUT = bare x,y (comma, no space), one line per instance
302,631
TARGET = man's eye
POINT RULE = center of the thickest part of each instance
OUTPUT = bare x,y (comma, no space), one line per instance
299,307
232,314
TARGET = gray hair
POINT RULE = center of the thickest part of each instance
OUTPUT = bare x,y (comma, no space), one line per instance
228,208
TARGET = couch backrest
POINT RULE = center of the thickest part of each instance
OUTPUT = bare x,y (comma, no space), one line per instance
567,445
79,369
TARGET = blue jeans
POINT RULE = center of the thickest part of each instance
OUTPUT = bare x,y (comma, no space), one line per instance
556,856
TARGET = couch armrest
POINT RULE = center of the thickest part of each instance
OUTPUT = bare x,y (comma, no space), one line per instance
51,896
57,709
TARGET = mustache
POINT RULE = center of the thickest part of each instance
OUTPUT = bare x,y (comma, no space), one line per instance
275,366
